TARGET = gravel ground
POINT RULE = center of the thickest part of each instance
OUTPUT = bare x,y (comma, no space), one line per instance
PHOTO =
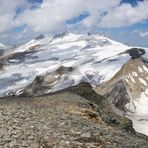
63,120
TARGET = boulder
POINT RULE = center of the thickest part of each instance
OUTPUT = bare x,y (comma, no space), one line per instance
136,52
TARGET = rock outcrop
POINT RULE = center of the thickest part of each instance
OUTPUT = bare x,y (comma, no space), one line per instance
136,52
119,96
40,37
42,84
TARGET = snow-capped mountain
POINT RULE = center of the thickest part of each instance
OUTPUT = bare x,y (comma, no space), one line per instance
87,54
48,64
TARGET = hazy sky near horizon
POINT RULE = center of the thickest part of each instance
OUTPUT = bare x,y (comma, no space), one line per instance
123,20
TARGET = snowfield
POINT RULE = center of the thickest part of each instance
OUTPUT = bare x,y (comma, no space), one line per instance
140,117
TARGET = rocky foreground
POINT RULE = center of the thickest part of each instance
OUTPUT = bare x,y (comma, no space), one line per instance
74,118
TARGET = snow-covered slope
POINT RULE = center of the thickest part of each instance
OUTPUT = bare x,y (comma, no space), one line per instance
94,57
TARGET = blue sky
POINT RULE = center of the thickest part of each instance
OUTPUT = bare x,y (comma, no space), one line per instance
123,20
132,2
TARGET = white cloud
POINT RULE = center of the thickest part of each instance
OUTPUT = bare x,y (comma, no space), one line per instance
125,15
6,22
143,34
139,32
8,12
53,14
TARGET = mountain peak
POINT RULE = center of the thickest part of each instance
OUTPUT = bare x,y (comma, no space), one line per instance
61,35
40,37
101,35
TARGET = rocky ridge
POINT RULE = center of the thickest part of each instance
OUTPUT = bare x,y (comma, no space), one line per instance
128,84
75,117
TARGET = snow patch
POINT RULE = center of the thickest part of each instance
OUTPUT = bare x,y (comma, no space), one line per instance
145,68
140,115
131,78
142,81
140,69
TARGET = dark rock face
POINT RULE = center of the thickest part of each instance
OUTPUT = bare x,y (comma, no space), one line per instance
40,37
20,56
1,52
43,83
62,70
60,35
136,52
36,88
119,96
1,65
